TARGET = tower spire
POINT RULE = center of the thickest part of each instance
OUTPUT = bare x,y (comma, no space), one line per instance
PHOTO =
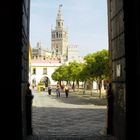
59,36
59,18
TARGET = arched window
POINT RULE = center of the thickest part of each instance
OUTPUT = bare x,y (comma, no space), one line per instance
34,71
56,34
58,23
44,70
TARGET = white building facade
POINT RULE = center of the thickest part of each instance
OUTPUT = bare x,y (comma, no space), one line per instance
42,70
73,53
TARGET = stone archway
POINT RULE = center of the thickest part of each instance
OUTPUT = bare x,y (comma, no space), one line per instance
15,33
45,80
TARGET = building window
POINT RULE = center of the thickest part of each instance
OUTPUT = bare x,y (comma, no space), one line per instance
34,71
44,70
58,23
56,34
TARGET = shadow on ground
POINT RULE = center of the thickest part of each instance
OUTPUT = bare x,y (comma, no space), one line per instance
80,99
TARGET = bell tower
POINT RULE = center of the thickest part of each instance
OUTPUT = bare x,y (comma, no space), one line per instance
59,37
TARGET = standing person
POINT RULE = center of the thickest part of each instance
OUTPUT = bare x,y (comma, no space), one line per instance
29,97
66,89
49,90
58,91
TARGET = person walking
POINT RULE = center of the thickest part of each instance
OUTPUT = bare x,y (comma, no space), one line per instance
58,91
66,89
49,90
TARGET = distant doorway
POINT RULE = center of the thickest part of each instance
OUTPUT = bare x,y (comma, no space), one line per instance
45,80
68,114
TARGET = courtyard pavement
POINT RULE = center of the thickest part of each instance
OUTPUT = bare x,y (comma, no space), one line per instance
78,117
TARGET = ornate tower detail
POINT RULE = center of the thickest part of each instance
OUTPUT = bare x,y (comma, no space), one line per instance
59,37
59,19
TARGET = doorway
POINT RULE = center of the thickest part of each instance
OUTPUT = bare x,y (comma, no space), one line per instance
68,114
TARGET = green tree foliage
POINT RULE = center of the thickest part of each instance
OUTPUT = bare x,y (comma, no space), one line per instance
74,68
61,73
96,67
98,64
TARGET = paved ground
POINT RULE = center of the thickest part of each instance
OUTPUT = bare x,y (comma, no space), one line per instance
79,117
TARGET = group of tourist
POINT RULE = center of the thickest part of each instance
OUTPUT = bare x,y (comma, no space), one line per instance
58,90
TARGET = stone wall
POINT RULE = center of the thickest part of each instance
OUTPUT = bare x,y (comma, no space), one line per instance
117,64
25,59
14,28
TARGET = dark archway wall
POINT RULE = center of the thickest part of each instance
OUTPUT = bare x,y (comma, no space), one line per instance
117,64
25,59
124,50
14,42
132,46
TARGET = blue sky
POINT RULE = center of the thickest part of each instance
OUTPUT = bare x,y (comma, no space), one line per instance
86,21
